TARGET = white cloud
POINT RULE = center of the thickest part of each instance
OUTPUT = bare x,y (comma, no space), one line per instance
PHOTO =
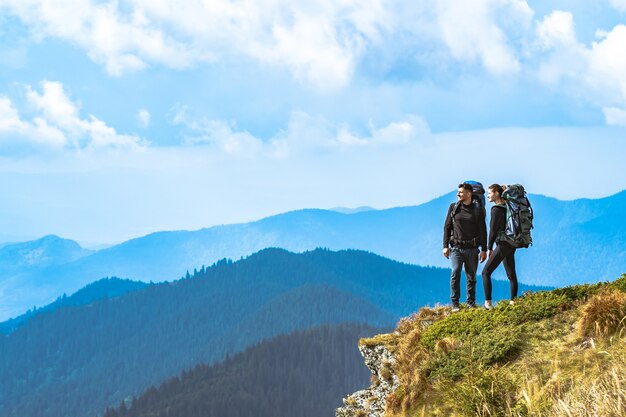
477,31
57,124
557,29
619,5
303,134
225,136
318,132
322,43
607,65
14,130
614,116
318,42
564,57
9,118
120,42
143,117
595,72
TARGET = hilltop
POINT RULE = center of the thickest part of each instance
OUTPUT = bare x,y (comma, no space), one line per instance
552,353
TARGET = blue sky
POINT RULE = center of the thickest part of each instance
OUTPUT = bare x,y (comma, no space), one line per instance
120,118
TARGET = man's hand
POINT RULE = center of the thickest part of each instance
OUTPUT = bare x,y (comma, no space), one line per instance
482,256
446,252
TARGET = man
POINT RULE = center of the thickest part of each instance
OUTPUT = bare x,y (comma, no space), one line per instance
463,232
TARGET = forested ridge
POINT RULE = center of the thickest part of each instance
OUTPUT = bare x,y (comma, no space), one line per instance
103,288
303,374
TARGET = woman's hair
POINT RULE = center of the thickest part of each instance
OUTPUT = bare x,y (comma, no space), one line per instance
497,188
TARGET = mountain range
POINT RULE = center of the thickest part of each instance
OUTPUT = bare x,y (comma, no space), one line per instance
574,241
76,360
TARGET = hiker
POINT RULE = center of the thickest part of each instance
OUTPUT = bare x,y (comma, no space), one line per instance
463,233
503,253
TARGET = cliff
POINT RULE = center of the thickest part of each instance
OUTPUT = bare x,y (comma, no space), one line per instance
552,353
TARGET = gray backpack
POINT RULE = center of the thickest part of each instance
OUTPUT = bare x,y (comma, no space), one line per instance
519,218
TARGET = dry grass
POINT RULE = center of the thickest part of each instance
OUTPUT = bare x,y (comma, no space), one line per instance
571,359
410,356
386,372
604,397
447,345
603,315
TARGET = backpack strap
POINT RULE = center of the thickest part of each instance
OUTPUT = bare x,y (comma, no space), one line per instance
452,214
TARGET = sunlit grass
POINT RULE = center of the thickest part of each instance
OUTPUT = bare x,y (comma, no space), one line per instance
554,353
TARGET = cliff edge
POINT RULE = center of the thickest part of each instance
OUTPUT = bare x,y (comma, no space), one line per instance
553,353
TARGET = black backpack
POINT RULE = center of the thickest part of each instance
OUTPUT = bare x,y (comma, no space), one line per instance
519,218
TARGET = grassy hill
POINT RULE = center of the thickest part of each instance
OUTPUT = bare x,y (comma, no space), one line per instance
553,353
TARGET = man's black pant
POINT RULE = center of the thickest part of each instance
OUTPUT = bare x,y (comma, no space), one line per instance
458,258
506,254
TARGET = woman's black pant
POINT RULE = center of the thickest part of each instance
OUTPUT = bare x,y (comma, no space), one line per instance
505,254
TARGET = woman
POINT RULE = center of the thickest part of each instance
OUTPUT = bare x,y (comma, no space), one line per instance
503,252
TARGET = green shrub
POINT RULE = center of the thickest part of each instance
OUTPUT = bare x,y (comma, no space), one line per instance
451,366
579,292
497,346
537,306
619,284
494,346
462,325
467,323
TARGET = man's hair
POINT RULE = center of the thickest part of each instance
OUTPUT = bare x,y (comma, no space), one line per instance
466,186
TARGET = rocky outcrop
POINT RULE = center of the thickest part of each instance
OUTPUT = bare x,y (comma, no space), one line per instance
371,402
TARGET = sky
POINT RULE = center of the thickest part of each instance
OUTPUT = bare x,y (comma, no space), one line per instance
122,118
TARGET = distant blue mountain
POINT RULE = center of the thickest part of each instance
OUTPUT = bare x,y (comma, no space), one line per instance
346,210
25,280
575,241
48,251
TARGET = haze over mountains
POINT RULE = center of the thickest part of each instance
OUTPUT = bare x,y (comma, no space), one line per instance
575,241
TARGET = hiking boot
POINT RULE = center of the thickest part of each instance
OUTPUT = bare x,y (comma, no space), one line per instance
471,305
488,305
455,307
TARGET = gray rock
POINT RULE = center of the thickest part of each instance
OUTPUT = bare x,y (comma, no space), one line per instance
371,402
